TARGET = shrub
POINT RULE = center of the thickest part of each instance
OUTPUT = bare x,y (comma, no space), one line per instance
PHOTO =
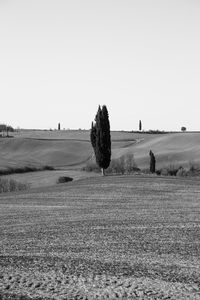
146,171
26,169
130,165
117,166
182,172
63,179
124,164
10,185
170,170
91,166
158,172
48,168
194,169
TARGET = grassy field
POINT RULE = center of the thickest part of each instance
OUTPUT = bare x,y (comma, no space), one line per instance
49,178
69,150
102,238
72,148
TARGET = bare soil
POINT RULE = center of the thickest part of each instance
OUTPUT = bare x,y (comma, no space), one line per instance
118,237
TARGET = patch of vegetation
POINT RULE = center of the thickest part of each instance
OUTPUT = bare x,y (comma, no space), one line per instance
122,165
47,168
170,170
151,131
63,179
179,171
26,169
91,166
4,127
10,185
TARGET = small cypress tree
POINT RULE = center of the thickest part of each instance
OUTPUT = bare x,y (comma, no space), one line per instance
140,125
58,126
152,162
100,138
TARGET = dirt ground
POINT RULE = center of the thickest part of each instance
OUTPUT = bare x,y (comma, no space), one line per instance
118,237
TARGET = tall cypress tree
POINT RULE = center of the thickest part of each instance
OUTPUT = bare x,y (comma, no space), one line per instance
140,125
152,162
106,138
100,138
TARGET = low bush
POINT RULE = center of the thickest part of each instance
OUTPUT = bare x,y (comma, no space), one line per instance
182,172
63,179
117,166
91,166
47,168
158,172
123,165
26,169
170,170
10,185
194,169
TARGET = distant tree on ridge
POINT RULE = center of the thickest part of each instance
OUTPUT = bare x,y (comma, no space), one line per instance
183,128
140,125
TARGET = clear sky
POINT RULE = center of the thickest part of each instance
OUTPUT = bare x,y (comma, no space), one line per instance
60,59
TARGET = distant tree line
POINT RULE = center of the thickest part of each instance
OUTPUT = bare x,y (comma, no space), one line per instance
5,129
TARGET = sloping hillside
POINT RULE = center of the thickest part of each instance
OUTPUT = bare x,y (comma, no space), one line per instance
56,153
175,148
72,148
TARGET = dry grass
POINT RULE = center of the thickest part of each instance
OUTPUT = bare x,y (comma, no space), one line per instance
175,148
20,152
68,149
10,185
112,237
49,178
71,148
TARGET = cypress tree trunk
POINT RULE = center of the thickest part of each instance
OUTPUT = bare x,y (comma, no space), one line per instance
103,172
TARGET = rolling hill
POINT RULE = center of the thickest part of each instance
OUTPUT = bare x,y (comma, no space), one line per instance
72,149
175,148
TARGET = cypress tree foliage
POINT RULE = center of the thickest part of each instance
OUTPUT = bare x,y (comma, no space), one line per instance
106,138
152,162
93,135
58,126
140,125
100,138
